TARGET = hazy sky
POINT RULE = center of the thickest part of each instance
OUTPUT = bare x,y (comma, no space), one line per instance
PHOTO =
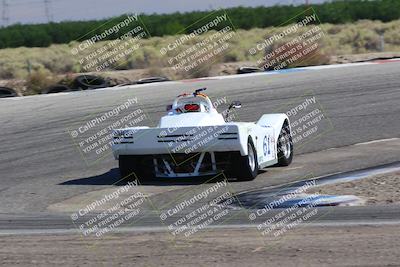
33,11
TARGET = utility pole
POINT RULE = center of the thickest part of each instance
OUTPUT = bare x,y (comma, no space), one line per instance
47,10
4,14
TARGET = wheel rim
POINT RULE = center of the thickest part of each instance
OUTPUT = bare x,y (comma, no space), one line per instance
285,146
251,156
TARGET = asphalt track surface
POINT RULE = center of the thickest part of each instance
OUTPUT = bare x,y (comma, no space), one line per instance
40,165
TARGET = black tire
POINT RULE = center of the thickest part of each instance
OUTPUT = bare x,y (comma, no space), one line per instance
245,70
285,146
127,168
84,82
58,88
246,167
7,92
152,80
136,168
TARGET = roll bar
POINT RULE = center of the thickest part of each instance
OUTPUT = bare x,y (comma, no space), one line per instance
196,93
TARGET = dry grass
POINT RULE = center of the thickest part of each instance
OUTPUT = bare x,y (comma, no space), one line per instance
40,80
38,65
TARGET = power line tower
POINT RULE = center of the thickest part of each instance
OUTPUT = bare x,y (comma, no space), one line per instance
5,17
47,10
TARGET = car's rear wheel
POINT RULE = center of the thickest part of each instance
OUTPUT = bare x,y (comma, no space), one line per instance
127,167
285,146
135,168
247,167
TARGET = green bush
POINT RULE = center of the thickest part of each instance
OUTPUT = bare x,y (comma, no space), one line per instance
39,80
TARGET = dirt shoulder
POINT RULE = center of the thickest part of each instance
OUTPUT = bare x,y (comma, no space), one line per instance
303,246
375,190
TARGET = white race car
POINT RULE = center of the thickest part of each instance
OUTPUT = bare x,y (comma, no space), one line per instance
193,139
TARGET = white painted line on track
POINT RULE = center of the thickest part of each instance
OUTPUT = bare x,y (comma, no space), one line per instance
377,141
209,227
